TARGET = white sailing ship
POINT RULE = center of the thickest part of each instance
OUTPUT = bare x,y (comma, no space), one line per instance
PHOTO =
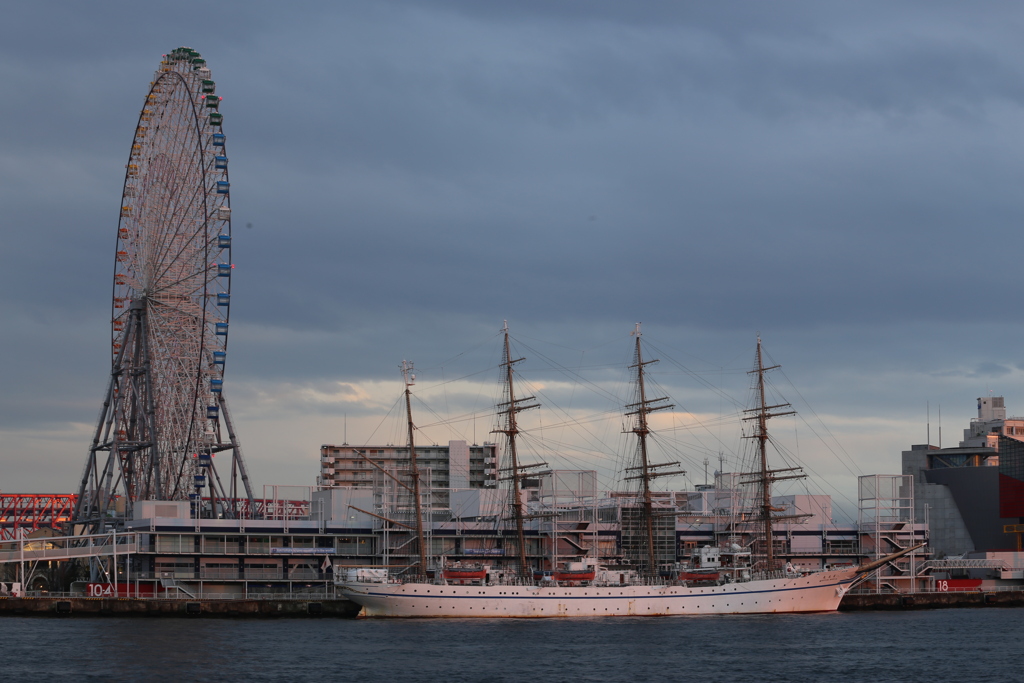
716,581
383,597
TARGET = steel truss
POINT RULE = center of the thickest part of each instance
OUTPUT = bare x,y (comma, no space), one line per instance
27,512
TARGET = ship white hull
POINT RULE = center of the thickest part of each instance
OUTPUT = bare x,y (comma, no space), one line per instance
817,592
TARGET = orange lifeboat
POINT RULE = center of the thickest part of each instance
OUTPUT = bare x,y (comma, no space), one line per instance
459,572
575,574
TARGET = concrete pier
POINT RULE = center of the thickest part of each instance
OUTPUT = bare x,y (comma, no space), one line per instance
122,607
853,602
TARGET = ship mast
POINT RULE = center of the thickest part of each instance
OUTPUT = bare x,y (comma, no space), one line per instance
409,378
510,409
645,469
764,477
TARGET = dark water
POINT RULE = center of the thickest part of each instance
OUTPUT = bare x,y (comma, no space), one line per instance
936,645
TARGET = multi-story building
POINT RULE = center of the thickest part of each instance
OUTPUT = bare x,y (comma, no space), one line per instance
990,424
957,491
458,465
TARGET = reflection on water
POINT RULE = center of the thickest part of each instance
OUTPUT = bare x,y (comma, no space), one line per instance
963,644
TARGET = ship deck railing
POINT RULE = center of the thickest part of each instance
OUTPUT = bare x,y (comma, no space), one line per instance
775,574
520,581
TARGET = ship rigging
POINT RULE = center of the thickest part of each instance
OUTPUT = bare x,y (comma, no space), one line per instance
764,477
644,471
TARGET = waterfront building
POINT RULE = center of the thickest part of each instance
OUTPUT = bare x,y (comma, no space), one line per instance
297,545
284,546
959,491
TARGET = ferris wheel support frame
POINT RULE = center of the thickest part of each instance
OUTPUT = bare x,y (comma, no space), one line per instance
95,494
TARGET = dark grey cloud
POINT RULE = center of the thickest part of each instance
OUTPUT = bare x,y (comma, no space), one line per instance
990,370
842,178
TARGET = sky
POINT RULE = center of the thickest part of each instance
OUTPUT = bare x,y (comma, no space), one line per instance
840,178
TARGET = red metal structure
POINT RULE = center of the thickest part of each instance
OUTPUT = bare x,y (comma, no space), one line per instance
26,512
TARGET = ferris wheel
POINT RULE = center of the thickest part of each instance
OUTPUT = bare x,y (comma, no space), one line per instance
162,420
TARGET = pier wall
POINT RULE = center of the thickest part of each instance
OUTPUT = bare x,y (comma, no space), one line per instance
335,608
122,607
853,602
